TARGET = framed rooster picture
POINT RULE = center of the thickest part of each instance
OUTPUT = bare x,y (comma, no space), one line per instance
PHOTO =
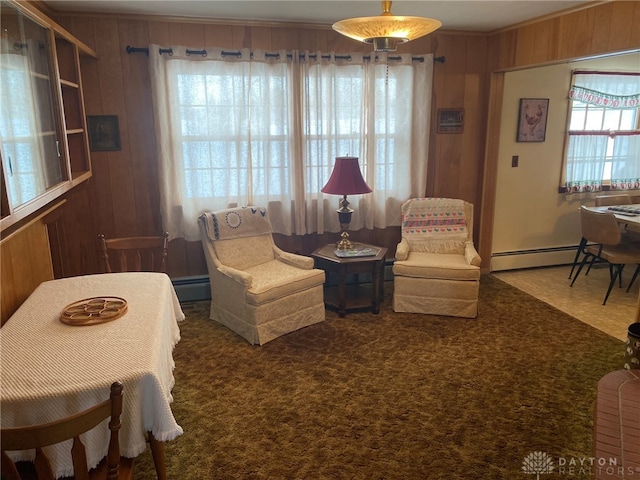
532,120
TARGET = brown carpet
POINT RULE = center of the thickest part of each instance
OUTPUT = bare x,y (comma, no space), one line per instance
388,396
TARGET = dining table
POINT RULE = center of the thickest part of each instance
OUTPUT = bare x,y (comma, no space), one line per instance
625,214
58,358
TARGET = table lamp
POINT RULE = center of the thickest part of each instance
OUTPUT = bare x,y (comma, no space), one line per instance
346,179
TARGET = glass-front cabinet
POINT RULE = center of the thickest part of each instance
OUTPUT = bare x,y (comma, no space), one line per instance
43,141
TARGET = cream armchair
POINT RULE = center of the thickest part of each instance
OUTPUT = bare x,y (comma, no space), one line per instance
437,268
257,290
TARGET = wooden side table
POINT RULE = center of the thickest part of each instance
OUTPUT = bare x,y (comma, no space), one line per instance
349,297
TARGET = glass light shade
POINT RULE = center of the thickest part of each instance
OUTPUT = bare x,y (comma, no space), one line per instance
386,30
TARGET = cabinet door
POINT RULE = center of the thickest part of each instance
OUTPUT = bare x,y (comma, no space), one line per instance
30,125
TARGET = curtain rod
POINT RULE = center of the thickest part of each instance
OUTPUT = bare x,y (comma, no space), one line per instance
203,52
597,72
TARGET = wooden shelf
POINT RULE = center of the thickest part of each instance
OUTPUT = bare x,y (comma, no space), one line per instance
62,131
67,83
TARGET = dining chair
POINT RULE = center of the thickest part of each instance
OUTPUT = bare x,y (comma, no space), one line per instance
604,242
600,201
134,254
610,200
39,436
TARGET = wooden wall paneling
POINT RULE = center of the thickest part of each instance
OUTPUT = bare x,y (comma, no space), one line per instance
26,262
240,37
449,88
176,31
576,30
313,40
111,88
158,34
193,36
601,36
475,105
502,50
284,39
80,230
625,25
142,139
537,43
339,43
453,81
218,36
261,38
490,177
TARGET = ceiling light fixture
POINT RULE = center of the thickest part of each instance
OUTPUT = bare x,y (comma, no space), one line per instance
386,31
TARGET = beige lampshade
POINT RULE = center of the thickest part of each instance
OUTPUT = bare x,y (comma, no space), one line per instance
386,30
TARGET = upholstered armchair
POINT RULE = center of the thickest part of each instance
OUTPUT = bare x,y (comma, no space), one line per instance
257,290
437,268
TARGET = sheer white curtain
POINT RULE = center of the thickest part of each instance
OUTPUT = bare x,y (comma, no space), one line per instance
20,142
264,129
603,133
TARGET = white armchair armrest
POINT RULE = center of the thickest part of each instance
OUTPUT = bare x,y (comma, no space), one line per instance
300,261
402,250
471,254
237,275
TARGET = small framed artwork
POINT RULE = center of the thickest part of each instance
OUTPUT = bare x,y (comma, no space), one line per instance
450,120
104,133
532,119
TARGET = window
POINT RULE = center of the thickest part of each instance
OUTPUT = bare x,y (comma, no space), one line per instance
251,128
603,139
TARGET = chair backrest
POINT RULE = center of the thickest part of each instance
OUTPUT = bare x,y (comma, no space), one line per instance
39,436
599,227
239,237
134,254
441,225
618,199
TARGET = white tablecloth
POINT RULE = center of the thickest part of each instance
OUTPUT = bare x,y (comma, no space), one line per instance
51,370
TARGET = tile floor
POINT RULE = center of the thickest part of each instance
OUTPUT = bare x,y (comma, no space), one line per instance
584,300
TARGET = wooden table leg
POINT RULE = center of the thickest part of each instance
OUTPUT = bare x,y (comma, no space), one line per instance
342,293
157,452
377,286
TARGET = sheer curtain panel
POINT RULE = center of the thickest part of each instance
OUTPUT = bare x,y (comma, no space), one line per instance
604,132
258,128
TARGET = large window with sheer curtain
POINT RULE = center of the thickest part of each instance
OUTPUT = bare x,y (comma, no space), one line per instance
258,128
603,138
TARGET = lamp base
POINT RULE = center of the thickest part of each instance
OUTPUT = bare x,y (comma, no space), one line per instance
344,243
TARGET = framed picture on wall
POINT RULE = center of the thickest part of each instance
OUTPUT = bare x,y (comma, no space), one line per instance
532,119
104,133
450,120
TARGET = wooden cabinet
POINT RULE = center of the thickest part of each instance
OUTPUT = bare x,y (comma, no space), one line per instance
43,138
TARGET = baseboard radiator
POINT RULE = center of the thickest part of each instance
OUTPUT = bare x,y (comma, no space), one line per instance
198,288
541,257
192,289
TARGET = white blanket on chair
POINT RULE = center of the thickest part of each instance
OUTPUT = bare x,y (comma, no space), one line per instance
236,222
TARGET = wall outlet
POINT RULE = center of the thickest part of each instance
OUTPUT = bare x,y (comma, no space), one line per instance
514,160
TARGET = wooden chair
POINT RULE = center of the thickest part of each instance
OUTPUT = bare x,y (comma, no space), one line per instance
134,254
39,436
604,243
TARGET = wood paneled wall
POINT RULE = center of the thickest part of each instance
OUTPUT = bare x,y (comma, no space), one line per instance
122,196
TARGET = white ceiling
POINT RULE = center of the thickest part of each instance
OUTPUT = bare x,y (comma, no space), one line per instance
474,15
